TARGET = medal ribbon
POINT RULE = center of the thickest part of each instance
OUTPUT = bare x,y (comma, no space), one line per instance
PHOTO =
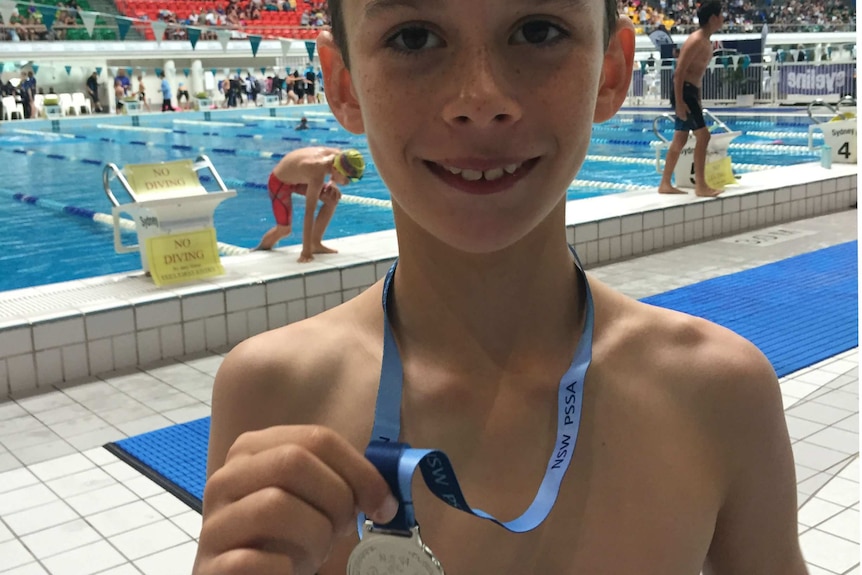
397,462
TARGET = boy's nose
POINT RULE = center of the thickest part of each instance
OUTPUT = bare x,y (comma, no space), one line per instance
484,96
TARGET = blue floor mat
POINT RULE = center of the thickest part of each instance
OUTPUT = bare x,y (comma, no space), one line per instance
798,311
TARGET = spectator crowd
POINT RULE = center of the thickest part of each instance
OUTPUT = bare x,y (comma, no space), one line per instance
678,16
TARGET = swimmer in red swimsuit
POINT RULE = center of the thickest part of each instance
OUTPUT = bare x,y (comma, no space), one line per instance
304,172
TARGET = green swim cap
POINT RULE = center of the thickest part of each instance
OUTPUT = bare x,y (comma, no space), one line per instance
350,164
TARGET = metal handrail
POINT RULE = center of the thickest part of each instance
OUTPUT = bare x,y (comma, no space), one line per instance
715,119
672,118
655,123
821,102
110,172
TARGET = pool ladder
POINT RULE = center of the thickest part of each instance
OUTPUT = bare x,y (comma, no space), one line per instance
849,101
671,118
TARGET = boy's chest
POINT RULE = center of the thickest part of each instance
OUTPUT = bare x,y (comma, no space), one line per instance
640,495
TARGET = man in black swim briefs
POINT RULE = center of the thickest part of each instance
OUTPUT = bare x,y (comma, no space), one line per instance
685,100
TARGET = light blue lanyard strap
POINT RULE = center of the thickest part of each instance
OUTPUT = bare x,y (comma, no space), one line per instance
398,462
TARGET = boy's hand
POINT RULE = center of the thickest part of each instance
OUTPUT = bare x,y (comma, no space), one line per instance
682,112
282,499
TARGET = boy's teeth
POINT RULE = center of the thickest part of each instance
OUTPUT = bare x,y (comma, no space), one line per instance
489,175
471,175
494,174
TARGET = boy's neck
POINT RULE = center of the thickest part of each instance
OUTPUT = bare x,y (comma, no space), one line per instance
507,311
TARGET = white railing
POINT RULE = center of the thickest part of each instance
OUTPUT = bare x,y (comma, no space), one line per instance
726,82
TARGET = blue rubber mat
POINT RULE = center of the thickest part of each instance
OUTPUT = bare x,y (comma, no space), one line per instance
798,311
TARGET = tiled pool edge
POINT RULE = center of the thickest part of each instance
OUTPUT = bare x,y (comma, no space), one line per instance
72,345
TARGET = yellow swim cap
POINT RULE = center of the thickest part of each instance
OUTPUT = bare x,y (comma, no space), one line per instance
350,164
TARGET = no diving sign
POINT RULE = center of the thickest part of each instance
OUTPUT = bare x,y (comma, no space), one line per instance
766,238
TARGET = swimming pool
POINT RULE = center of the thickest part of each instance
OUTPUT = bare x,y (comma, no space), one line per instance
41,246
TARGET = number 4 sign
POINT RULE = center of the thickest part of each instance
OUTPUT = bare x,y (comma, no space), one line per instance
841,137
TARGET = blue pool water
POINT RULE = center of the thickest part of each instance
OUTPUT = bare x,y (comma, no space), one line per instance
41,246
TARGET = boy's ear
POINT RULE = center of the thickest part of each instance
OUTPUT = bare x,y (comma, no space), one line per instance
340,94
616,70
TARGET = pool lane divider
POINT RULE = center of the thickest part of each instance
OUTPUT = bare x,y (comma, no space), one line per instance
105,219
232,182
133,128
206,123
651,162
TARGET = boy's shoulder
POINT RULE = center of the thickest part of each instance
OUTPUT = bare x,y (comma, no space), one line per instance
706,367
301,372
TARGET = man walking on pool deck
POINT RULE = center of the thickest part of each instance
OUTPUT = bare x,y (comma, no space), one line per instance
686,101
304,172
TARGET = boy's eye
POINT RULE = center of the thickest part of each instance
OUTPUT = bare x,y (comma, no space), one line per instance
537,32
414,38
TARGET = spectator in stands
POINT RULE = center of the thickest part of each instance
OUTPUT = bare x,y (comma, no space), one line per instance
142,94
119,94
184,100
92,90
298,87
250,91
167,106
27,91
310,81
124,81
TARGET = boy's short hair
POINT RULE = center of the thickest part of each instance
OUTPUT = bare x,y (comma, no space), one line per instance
707,10
339,32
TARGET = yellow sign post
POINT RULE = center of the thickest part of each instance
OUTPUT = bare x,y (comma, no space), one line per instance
182,257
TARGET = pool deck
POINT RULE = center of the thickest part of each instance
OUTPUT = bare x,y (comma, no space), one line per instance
69,331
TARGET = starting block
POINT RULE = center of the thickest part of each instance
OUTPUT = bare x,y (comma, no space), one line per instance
173,217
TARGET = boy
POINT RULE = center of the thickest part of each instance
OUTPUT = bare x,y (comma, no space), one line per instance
685,99
682,460
304,172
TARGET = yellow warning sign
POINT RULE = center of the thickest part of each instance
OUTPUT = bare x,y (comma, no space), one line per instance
719,173
179,176
183,257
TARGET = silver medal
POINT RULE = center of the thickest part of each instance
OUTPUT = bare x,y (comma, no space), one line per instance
386,553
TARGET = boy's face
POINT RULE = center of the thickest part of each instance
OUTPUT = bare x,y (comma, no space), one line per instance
479,86
338,177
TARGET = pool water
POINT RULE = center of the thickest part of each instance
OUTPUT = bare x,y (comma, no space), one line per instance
41,246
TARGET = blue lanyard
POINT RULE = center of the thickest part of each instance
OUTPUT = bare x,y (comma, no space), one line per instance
397,462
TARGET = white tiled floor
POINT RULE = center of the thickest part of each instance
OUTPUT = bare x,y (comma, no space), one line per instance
68,507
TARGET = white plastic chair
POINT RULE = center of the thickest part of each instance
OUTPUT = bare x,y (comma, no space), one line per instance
11,107
66,105
81,103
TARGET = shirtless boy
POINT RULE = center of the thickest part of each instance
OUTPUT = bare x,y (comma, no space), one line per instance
304,172
682,461
685,99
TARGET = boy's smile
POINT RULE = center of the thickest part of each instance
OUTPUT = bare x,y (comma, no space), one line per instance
475,176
